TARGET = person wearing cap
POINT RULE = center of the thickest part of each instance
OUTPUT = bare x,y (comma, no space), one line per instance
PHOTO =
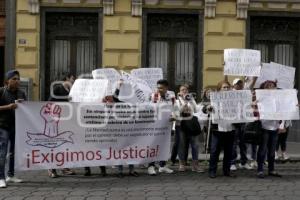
238,84
9,95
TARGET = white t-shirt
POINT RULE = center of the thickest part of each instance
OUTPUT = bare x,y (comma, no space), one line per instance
271,125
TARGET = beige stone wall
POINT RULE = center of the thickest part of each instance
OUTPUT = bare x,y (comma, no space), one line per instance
122,33
284,5
122,38
71,3
27,44
223,31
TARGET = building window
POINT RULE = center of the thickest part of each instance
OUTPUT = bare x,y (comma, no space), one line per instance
71,45
171,42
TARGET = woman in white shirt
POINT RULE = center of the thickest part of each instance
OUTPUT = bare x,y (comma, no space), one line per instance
187,107
222,137
268,140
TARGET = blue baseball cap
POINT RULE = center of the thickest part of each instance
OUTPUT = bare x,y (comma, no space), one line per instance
11,73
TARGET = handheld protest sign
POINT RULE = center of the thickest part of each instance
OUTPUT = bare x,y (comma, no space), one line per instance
242,62
88,90
110,74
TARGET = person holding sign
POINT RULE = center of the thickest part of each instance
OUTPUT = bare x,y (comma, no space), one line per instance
114,99
222,138
268,140
60,93
9,95
161,96
238,84
188,128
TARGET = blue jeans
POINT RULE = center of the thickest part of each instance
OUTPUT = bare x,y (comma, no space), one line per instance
239,141
219,141
267,146
185,141
4,135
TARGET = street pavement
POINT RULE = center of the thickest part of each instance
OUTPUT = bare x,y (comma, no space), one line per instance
178,186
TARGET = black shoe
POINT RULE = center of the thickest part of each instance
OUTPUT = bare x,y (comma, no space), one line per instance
260,175
87,171
120,175
212,175
103,171
52,173
274,174
231,175
134,173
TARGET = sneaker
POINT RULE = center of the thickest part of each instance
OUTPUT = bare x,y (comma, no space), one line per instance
253,164
275,174
13,179
231,175
181,168
196,167
67,171
233,168
52,173
285,156
245,166
260,175
165,170
120,175
212,175
134,173
87,171
276,155
151,171
2,183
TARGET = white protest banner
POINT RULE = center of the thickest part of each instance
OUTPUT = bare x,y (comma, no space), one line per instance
277,104
242,62
134,90
150,75
88,90
234,106
268,72
68,135
110,74
284,75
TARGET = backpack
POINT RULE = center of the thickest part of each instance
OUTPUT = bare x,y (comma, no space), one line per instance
191,126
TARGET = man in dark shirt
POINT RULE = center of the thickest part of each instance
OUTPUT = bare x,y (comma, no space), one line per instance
9,94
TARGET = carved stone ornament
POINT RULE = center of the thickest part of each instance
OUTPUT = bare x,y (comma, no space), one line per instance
136,7
242,9
34,6
108,7
210,8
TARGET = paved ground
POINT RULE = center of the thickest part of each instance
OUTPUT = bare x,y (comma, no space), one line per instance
178,186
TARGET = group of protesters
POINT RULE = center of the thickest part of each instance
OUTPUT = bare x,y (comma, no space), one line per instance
187,130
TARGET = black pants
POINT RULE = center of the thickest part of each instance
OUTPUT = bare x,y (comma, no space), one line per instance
11,153
219,141
239,141
267,147
282,137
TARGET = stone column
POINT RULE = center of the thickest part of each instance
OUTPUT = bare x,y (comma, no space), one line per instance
10,33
